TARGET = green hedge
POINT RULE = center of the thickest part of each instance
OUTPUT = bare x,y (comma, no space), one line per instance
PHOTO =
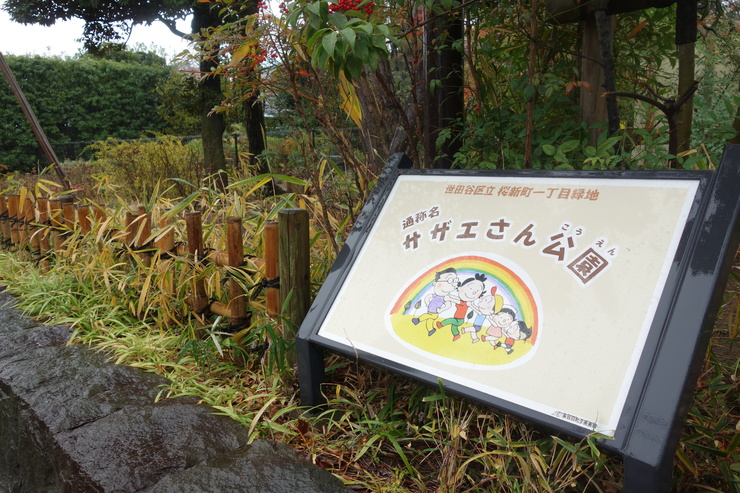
78,99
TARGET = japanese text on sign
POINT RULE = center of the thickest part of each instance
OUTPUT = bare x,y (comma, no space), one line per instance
585,266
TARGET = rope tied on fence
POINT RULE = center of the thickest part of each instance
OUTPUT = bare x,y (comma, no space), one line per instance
264,283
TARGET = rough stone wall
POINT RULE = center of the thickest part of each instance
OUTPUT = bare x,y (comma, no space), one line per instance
70,421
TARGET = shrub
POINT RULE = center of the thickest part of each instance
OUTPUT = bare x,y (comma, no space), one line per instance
140,165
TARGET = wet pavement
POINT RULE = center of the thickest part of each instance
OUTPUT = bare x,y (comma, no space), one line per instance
72,421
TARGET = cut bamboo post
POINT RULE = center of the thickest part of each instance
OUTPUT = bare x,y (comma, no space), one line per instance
13,216
83,218
28,216
22,226
235,248
44,233
34,231
143,233
236,309
99,213
4,223
144,227
272,294
129,233
165,242
197,300
55,218
220,258
294,262
68,212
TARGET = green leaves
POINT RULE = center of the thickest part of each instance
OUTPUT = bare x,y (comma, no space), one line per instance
342,41
559,152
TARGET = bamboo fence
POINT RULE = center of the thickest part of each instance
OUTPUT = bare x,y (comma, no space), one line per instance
43,225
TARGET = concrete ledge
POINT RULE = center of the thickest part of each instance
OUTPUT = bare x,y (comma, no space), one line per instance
72,422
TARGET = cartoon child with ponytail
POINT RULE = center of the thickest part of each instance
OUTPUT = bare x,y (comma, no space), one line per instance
470,289
483,309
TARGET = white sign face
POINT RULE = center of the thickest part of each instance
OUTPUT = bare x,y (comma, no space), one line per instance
539,291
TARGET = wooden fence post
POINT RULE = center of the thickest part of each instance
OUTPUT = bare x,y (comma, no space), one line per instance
165,242
235,247
28,216
143,231
68,212
13,216
272,294
294,264
129,232
55,218
83,218
44,233
4,223
198,300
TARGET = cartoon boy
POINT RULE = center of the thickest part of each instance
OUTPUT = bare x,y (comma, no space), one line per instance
484,308
445,282
517,331
502,319
470,289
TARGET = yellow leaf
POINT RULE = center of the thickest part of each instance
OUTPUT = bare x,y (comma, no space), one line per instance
350,103
240,53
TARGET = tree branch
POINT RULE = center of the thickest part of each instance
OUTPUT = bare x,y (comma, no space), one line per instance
172,26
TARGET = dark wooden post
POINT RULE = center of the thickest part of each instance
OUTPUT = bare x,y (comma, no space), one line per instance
197,300
294,262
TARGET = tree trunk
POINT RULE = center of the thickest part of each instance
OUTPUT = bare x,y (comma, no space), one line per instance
529,138
736,124
686,11
605,28
444,101
593,105
211,95
255,122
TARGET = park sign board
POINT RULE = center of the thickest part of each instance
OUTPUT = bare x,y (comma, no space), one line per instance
581,301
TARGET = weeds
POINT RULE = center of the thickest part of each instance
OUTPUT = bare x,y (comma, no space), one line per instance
380,433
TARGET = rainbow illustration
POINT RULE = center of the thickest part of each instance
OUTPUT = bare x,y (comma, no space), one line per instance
511,283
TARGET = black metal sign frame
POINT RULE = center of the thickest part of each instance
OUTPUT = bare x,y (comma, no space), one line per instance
650,424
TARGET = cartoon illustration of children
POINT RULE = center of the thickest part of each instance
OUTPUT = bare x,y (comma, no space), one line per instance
499,321
483,308
518,331
445,282
470,289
